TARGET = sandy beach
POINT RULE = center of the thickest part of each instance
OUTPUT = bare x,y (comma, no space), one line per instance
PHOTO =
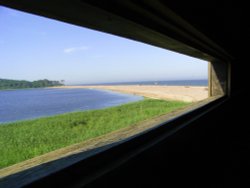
183,93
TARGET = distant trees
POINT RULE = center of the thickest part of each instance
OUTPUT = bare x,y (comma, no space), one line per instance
18,84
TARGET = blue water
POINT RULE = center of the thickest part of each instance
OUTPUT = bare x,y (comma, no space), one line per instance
203,82
32,103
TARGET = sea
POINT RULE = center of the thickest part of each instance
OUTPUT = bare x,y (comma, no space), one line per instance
23,104
203,82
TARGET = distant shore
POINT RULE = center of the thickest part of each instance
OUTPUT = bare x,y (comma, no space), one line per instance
182,93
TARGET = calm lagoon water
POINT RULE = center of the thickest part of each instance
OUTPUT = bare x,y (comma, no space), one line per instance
32,103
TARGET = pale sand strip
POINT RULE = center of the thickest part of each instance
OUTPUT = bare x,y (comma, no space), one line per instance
183,93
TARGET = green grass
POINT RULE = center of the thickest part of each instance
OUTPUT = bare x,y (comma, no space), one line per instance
23,140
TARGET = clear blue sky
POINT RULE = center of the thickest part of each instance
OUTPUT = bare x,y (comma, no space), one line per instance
33,47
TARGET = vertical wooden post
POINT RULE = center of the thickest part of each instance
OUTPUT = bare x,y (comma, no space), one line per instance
218,78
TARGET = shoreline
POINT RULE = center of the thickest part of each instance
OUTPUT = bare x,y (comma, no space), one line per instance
77,126
181,93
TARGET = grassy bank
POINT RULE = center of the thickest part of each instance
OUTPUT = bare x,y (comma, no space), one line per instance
26,139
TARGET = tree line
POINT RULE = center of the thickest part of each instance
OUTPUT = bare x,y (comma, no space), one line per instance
19,84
